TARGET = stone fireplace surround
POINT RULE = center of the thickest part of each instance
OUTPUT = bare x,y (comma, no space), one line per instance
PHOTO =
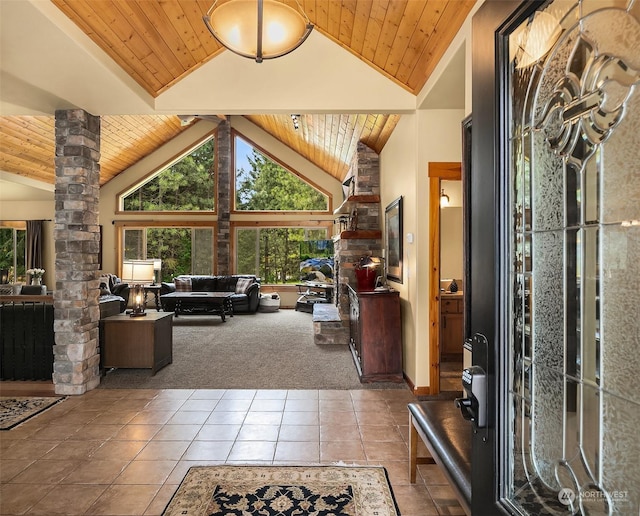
365,239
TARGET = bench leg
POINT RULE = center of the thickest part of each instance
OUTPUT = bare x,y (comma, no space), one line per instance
414,460
413,450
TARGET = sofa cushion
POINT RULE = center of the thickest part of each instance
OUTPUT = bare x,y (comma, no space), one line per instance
227,283
243,284
205,284
182,284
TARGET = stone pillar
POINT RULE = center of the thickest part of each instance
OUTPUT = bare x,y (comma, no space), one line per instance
224,178
76,366
367,240
366,168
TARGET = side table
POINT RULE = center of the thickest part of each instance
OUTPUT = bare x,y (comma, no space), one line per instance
138,342
155,290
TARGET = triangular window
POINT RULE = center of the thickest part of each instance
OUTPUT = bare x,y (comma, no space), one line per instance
262,184
187,184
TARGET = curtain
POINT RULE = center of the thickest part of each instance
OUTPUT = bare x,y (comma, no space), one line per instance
34,244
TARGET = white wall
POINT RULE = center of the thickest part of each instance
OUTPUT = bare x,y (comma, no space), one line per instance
429,135
451,243
398,176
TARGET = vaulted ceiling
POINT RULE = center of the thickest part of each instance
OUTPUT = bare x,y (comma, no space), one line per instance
158,44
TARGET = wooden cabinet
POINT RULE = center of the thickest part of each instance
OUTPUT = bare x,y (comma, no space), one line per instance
451,329
376,335
138,342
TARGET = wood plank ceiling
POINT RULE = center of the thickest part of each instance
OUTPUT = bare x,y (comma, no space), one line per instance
159,43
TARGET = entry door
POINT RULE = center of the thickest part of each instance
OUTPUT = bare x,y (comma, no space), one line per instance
555,256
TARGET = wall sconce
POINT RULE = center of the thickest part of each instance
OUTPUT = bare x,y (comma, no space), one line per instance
258,29
4,276
444,199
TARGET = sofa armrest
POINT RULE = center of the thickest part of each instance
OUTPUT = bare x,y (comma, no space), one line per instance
122,290
168,305
253,293
167,288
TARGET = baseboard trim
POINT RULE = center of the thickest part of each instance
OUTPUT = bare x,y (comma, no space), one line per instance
417,391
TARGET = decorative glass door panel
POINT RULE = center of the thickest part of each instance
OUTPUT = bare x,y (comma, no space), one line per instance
573,437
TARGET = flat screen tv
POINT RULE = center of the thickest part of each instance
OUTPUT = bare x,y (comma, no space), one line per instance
316,261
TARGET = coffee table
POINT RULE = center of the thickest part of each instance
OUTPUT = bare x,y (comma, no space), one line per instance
215,303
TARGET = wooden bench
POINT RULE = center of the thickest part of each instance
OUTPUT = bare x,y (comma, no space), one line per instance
447,436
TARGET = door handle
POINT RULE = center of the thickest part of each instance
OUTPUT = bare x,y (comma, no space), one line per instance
475,405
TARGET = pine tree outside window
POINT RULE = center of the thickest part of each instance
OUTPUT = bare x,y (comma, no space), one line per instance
188,185
273,253
262,184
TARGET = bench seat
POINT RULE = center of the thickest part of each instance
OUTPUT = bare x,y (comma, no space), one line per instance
447,436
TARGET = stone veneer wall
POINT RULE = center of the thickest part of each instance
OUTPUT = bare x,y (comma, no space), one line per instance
223,182
76,366
365,169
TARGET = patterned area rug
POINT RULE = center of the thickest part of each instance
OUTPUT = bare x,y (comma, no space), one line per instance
284,491
14,411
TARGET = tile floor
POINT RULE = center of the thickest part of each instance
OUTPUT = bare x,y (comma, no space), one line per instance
117,452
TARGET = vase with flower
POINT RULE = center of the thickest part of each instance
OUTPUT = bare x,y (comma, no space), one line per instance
36,275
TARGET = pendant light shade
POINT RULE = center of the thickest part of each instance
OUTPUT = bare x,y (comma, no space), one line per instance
257,29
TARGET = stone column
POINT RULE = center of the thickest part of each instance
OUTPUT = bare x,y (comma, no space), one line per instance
76,236
224,178
365,169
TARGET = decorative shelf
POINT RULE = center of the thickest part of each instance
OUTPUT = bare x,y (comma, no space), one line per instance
361,233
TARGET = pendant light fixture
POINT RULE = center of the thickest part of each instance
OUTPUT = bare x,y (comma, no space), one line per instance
258,29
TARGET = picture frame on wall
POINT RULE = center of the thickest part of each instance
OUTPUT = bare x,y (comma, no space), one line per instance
393,240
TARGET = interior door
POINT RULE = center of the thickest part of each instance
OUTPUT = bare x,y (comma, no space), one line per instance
555,256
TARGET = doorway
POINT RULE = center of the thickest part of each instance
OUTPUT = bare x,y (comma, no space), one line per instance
446,308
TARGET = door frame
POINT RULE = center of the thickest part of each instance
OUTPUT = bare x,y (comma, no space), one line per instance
488,209
438,170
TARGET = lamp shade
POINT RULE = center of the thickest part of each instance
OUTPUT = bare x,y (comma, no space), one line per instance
258,29
137,271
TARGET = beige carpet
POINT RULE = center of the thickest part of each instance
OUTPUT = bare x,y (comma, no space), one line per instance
249,351
284,490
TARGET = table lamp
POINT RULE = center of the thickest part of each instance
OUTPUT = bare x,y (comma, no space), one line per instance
138,273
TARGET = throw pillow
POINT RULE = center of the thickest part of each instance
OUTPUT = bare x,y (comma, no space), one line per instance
106,279
243,285
104,289
182,284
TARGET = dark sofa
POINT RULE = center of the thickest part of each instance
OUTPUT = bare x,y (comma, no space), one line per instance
112,289
244,299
